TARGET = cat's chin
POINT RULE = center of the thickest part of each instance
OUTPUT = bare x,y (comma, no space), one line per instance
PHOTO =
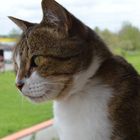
40,99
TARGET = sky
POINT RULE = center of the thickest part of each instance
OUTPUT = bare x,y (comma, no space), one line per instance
104,14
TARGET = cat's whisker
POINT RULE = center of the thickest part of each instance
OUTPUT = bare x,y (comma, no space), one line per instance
57,83
52,90
47,83
61,80
47,89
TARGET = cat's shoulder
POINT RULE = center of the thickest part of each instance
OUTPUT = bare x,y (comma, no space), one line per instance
117,72
117,64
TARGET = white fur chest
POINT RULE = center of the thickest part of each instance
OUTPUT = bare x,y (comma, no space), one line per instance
84,116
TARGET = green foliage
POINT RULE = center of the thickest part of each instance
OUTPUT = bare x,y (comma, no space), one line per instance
126,42
14,33
128,38
16,112
131,35
110,38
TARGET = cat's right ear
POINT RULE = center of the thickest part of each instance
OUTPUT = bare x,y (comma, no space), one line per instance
23,25
54,15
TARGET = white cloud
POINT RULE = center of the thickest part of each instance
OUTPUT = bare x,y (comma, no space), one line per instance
105,14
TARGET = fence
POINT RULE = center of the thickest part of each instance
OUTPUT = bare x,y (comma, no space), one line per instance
42,131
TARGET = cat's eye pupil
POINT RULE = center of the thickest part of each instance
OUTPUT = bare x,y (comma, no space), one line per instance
26,75
33,64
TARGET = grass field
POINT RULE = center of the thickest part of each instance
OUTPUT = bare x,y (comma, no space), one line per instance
135,60
17,113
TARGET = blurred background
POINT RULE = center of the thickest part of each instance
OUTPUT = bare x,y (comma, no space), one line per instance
116,21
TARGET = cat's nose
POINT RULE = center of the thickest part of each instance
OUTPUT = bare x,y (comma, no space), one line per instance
20,84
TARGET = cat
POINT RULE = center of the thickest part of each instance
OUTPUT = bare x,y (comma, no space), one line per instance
96,94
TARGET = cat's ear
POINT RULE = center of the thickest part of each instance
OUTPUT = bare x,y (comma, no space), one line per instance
23,25
55,15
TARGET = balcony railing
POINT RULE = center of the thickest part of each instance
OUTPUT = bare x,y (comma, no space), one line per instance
42,131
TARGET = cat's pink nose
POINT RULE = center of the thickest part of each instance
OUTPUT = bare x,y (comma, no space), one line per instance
20,85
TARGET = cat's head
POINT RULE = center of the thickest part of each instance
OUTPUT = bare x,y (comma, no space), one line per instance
50,54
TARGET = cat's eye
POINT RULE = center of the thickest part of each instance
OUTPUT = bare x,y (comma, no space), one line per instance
37,61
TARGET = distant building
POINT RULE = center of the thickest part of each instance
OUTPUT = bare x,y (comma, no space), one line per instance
6,55
7,46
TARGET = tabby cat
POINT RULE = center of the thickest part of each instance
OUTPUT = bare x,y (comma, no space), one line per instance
96,94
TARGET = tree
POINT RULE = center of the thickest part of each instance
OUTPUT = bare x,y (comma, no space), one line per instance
97,30
14,33
130,33
110,38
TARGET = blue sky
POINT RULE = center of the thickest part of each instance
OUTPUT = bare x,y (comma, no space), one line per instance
104,14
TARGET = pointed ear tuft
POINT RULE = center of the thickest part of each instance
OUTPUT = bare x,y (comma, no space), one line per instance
55,15
23,25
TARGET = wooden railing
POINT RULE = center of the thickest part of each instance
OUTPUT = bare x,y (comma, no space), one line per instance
29,131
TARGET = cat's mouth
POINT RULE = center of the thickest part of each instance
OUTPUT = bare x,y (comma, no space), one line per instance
38,98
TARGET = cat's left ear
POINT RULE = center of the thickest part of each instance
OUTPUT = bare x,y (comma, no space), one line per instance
54,15
23,25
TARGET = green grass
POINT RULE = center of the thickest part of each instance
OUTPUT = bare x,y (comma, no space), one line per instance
131,57
134,59
16,112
